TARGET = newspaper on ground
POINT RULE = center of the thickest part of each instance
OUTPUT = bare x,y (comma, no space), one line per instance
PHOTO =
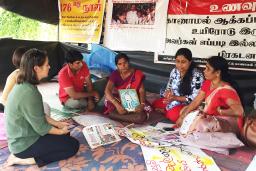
100,134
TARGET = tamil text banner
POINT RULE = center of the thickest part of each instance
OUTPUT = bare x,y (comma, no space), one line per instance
208,28
81,20
136,25
180,158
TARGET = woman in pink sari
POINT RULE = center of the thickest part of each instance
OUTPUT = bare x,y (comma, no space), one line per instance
125,77
222,103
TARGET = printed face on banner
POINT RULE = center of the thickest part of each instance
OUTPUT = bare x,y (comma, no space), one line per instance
136,25
136,14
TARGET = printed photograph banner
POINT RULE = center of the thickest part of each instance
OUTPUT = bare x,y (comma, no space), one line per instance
136,25
81,20
208,28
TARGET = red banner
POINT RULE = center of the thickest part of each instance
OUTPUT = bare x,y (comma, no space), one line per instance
211,7
212,27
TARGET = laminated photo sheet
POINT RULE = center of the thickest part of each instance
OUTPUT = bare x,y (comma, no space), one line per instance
100,134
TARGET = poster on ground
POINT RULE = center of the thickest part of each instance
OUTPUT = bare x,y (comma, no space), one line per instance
136,25
81,20
208,28
177,159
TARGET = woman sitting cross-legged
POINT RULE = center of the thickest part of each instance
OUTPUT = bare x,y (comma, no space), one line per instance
223,110
125,77
183,86
33,137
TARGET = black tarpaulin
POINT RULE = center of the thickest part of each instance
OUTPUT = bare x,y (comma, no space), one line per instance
42,10
156,74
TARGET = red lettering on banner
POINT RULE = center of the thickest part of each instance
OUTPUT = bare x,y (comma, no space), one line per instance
170,162
211,7
201,164
65,7
91,8
154,166
184,165
77,3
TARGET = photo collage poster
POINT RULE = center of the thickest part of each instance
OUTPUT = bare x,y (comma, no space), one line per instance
136,25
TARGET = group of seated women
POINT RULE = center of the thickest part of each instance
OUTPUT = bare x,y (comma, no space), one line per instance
216,94
35,138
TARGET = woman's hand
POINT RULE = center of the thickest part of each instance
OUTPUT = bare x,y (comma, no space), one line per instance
62,124
90,105
168,94
64,130
120,109
180,120
168,97
140,108
183,114
96,96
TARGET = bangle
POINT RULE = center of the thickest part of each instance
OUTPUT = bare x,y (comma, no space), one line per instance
142,103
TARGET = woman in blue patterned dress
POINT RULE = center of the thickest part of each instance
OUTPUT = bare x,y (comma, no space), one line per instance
183,86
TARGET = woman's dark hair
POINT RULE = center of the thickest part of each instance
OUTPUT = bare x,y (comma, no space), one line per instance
220,64
185,85
73,55
17,54
121,56
29,60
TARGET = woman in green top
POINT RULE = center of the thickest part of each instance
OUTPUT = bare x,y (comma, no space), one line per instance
33,137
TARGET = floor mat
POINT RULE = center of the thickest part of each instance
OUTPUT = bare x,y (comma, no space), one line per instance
3,144
122,155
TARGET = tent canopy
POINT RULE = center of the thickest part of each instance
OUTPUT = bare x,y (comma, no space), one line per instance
42,10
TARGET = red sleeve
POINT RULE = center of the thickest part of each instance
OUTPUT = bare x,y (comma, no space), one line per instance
141,74
64,79
206,86
229,94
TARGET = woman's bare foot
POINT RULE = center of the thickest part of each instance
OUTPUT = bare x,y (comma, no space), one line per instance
15,160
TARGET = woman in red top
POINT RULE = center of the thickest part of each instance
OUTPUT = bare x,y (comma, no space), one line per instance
220,93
